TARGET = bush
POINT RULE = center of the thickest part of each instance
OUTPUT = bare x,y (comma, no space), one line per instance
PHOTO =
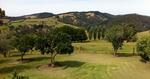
15,75
143,48
76,34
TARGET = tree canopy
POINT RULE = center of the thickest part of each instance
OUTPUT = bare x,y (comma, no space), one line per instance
53,43
143,47
77,34
24,43
115,36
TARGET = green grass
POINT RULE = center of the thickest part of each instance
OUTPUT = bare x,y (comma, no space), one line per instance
103,46
78,66
89,61
47,21
143,34
86,63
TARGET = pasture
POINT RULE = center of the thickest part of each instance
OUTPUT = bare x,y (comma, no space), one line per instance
90,60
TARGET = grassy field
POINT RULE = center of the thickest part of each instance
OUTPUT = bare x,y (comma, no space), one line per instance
79,66
102,46
87,62
143,34
48,21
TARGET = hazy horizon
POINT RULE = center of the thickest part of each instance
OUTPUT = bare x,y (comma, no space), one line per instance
115,7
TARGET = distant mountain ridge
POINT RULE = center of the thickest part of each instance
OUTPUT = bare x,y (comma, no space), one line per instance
141,22
93,18
40,15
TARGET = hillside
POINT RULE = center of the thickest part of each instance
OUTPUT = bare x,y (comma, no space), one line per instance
36,15
143,34
141,22
95,18
48,21
91,18
87,19
40,15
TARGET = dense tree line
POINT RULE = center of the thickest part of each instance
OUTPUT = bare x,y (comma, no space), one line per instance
77,34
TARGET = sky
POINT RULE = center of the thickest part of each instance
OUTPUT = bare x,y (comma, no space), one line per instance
116,7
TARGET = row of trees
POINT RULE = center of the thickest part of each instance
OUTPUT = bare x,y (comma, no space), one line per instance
96,32
77,34
43,38
52,42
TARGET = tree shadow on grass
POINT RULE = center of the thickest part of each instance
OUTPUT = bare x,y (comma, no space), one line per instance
125,54
3,61
34,59
21,67
18,68
67,64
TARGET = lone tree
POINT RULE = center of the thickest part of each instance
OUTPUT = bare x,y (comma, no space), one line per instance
2,14
24,43
5,42
143,47
55,42
115,36
4,47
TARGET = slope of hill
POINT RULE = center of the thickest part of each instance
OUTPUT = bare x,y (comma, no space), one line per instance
95,18
36,15
143,34
40,15
91,18
141,22
48,21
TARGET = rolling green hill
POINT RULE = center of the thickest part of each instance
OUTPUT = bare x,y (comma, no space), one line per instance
91,18
31,21
83,19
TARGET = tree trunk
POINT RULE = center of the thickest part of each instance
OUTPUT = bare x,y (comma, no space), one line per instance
42,53
115,51
53,59
5,54
133,51
22,57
